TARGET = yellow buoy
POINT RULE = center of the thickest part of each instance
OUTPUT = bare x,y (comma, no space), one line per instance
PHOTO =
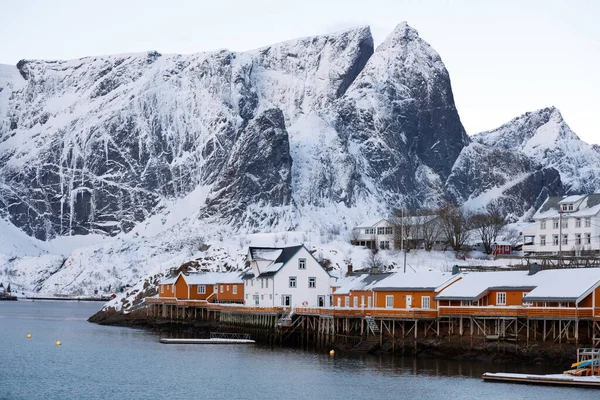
29,336
332,352
58,343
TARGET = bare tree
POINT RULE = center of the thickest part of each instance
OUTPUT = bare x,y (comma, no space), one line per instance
430,230
454,224
374,261
488,226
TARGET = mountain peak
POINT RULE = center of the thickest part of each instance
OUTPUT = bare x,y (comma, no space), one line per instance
401,34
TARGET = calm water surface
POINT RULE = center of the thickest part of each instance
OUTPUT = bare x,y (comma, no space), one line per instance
98,362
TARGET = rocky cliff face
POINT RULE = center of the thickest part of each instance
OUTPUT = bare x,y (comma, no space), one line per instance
545,138
310,132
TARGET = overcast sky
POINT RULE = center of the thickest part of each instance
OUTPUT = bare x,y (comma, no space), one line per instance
504,59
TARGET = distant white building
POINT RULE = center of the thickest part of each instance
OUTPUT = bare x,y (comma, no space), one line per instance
286,277
386,233
566,224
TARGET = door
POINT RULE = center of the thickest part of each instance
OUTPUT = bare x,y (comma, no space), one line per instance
256,299
321,301
409,301
286,300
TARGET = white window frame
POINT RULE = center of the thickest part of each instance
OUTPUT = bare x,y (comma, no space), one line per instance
543,224
500,298
267,283
577,222
234,289
565,239
312,282
555,240
542,240
339,301
588,238
221,290
201,289
302,263
362,301
555,223
578,238
426,302
347,301
293,282
588,222
389,301
162,288
355,301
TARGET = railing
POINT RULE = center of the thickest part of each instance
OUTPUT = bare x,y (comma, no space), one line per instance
412,313
517,311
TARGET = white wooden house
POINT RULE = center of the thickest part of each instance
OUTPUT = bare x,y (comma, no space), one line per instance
565,224
286,277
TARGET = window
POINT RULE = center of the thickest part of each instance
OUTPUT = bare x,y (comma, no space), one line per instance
262,296
565,223
347,301
570,207
362,301
543,224
227,288
215,287
389,230
577,222
234,289
312,283
271,296
262,283
292,281
588,238
267,283
565,239
555,240
380,230
578,238
588,222
501,298
384,244
162,288
339,301
389,301
355,302
221,288
201,289
425,302
247,296
370,231
542,240
302,263
555,223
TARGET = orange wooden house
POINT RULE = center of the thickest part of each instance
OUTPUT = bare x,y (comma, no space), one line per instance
212,287
411,290
544,294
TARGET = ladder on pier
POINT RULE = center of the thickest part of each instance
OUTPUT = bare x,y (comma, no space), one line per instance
286,319
372,325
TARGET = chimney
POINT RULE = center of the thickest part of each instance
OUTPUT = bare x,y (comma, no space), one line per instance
349,270
534,269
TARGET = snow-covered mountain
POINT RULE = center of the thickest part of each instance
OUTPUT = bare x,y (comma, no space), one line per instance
544,137
150,156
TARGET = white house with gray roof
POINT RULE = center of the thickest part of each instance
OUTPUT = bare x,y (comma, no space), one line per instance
566,224
286,277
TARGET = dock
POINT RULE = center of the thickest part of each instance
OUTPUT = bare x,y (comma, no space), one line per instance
555,380
215,338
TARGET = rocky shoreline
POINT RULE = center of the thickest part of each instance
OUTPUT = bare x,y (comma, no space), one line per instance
443,347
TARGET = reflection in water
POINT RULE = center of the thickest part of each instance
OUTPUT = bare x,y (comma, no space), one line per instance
100,362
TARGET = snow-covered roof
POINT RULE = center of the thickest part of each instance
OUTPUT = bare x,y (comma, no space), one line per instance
265,253
168,281
278,256
589,206
213,278
571,199
563,284
370,223
422,280
474,285
548,285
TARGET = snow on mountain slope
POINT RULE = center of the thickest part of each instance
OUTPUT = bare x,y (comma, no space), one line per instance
400,123
547,140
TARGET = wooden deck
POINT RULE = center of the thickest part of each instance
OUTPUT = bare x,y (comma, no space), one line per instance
588,313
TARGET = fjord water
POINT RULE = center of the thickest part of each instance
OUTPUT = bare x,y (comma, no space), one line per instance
100,362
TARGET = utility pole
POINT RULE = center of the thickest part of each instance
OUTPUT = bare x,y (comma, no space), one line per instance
559,233
402,239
